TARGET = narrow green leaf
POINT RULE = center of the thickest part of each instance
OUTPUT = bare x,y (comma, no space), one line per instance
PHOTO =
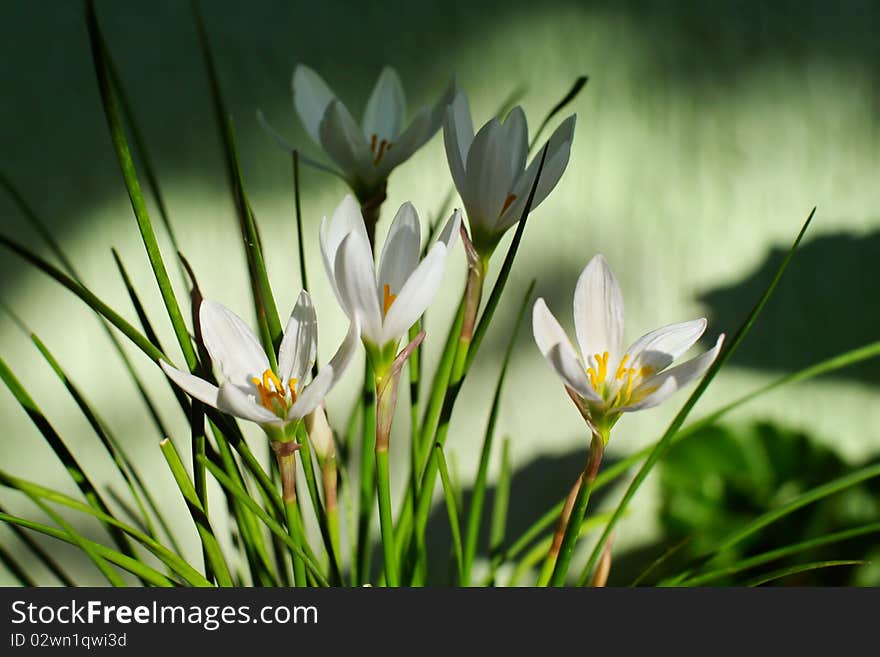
134,566
475,512
501,503
15,569
803,568
452,511
77,474
576,88
778,553
665,442
270,523
110,102
211,547
667,554
39,552
173,561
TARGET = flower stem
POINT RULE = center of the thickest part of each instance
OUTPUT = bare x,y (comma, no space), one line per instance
385,518
368,482
285,453
329,477
569,528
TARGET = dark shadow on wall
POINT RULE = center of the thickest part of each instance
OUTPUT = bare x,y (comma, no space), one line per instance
825,304
55,144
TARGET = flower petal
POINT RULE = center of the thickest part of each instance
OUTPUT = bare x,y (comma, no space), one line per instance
558,153
400,254
234,401
556,348
314,393
297,351
346,218
311,96
408,142
659,387
344,142
192,385
386,108
449,234
490,177
661,347
458,134
598,311
356,280
232,345
416,295
438,112
517,138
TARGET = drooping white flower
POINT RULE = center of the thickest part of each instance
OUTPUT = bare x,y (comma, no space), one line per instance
250,389
365,154
606,379
388,302
489,168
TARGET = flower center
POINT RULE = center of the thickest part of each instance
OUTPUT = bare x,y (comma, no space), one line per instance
379,149
625,378
273,395
387,299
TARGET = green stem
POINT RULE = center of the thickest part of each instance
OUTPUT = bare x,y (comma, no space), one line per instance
285,453
386,520
368,482
572,525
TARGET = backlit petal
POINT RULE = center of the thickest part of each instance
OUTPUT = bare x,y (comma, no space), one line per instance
598,311
297,351
231,343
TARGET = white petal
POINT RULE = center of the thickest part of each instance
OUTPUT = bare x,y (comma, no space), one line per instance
311,96
598,311
356,280
490,177
449,234
400,254
438,112
234,401
458,134
344,142
386,108
314,393
192,385
517,137
661,347
659,387
555,346
346,218
232,345
408,142
416,295
558,152
297,351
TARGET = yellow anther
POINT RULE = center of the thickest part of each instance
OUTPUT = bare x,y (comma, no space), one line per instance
292,385
387,299
621,371
383,146
373,143
629,383
272,393
646,371
507,203
269,376
592,374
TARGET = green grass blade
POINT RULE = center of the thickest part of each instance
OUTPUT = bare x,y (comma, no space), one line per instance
15,569
213,553
100,563
778,553
129,331
273,526
475,511
77,474
138,568
452,511
173,561
802,568
498,526
40,553
667,554
576,88
665,442
110,103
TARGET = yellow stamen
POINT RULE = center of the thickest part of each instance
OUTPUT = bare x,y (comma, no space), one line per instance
621,371
373,143
629,383
292,385
272,394
592,374
507,202
383,146
603,366
646,371
387,299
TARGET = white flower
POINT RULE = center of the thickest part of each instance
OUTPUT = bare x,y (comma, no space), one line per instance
250,389
608,380
386,304
490,172
365,153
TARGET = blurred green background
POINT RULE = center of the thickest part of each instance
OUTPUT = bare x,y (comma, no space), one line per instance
706,134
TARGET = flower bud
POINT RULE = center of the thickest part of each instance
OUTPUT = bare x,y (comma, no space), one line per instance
320,434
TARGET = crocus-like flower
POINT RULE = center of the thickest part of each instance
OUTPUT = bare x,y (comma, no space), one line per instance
366,153
250,389
386,304
608,381
490,172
